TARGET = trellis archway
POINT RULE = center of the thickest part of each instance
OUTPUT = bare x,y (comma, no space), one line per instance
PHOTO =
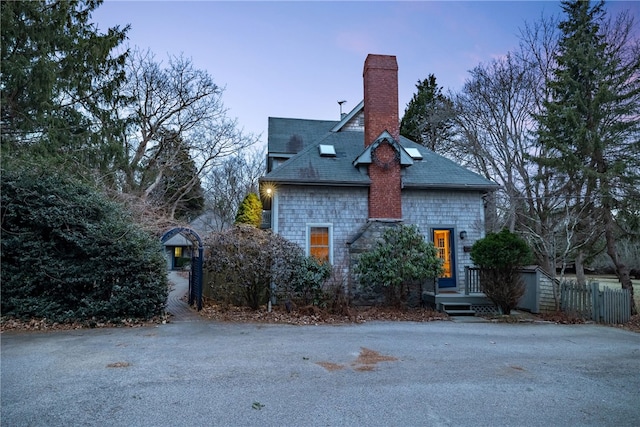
197,262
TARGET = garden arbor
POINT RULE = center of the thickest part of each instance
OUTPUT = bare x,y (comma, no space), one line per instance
195,273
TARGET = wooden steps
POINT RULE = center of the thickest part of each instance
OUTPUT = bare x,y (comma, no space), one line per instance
457,308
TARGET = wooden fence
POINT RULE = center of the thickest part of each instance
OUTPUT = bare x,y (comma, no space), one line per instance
611,306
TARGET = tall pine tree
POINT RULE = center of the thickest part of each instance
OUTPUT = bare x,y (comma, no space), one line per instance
170,178
428,118
590,121
60,84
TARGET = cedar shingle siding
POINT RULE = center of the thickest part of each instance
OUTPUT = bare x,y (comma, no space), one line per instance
371,177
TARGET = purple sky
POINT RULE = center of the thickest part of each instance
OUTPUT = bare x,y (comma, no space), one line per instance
297,59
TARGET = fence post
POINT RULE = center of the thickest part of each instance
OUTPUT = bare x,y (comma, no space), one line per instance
467,280
596,300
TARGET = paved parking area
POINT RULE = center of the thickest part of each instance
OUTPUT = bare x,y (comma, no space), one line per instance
374,374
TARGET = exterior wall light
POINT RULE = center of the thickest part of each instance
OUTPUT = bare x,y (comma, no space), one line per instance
463,235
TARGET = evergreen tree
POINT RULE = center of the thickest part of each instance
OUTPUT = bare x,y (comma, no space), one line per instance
59,84
590,121
250,211
499,255
428,118
171,177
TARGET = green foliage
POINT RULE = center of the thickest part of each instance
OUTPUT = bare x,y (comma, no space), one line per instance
499,255
501,250
176,187
589,119
590,122
182,262
403,256
70,254
304,286
428,118
250,211
60,85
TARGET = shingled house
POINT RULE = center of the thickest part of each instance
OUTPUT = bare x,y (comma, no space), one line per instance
334,186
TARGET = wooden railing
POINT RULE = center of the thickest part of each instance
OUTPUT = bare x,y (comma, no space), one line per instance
431,285
472,280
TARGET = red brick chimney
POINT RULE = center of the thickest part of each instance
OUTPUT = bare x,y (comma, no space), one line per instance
381,114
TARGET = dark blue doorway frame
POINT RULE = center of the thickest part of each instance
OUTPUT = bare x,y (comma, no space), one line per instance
448,282
197,261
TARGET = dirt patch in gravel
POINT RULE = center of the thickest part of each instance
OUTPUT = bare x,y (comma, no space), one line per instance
365,362
330,366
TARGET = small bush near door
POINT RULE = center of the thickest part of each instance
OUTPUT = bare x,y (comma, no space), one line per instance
499,256
402,258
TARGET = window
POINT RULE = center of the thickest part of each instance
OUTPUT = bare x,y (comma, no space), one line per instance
327,150
177,252
319,238
414,153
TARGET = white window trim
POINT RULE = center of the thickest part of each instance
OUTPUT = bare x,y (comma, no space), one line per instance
307,238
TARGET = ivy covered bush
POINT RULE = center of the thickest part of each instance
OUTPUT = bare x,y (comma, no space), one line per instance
402,257
70,254
499,256
246,266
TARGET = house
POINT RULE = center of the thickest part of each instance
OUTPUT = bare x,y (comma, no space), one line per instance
180,248
333,186
177,252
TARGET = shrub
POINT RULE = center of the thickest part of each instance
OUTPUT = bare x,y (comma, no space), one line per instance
249,265
250,211
183,262
304,286
402,257
336,300
68,253
499,255
239,261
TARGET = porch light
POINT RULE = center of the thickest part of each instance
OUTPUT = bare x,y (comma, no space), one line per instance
463,235
267,190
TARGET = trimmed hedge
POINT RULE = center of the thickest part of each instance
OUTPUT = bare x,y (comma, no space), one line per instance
68,253
499,255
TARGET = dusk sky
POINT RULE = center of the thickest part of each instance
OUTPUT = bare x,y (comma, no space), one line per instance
297,59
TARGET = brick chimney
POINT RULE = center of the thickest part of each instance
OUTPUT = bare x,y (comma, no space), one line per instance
381,114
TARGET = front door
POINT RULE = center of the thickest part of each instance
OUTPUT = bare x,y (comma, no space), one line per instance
443,241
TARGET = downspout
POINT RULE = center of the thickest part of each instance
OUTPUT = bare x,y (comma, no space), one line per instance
274,212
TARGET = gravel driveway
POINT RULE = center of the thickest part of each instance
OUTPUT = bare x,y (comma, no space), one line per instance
375,374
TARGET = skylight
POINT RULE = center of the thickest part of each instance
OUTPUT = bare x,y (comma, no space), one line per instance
327,150
414,153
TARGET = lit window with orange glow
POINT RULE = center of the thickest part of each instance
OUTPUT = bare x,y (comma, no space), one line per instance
319,242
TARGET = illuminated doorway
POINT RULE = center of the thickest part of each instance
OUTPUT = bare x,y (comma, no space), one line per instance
443,241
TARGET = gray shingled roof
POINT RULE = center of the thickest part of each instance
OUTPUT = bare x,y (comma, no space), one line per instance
307,167
293,135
